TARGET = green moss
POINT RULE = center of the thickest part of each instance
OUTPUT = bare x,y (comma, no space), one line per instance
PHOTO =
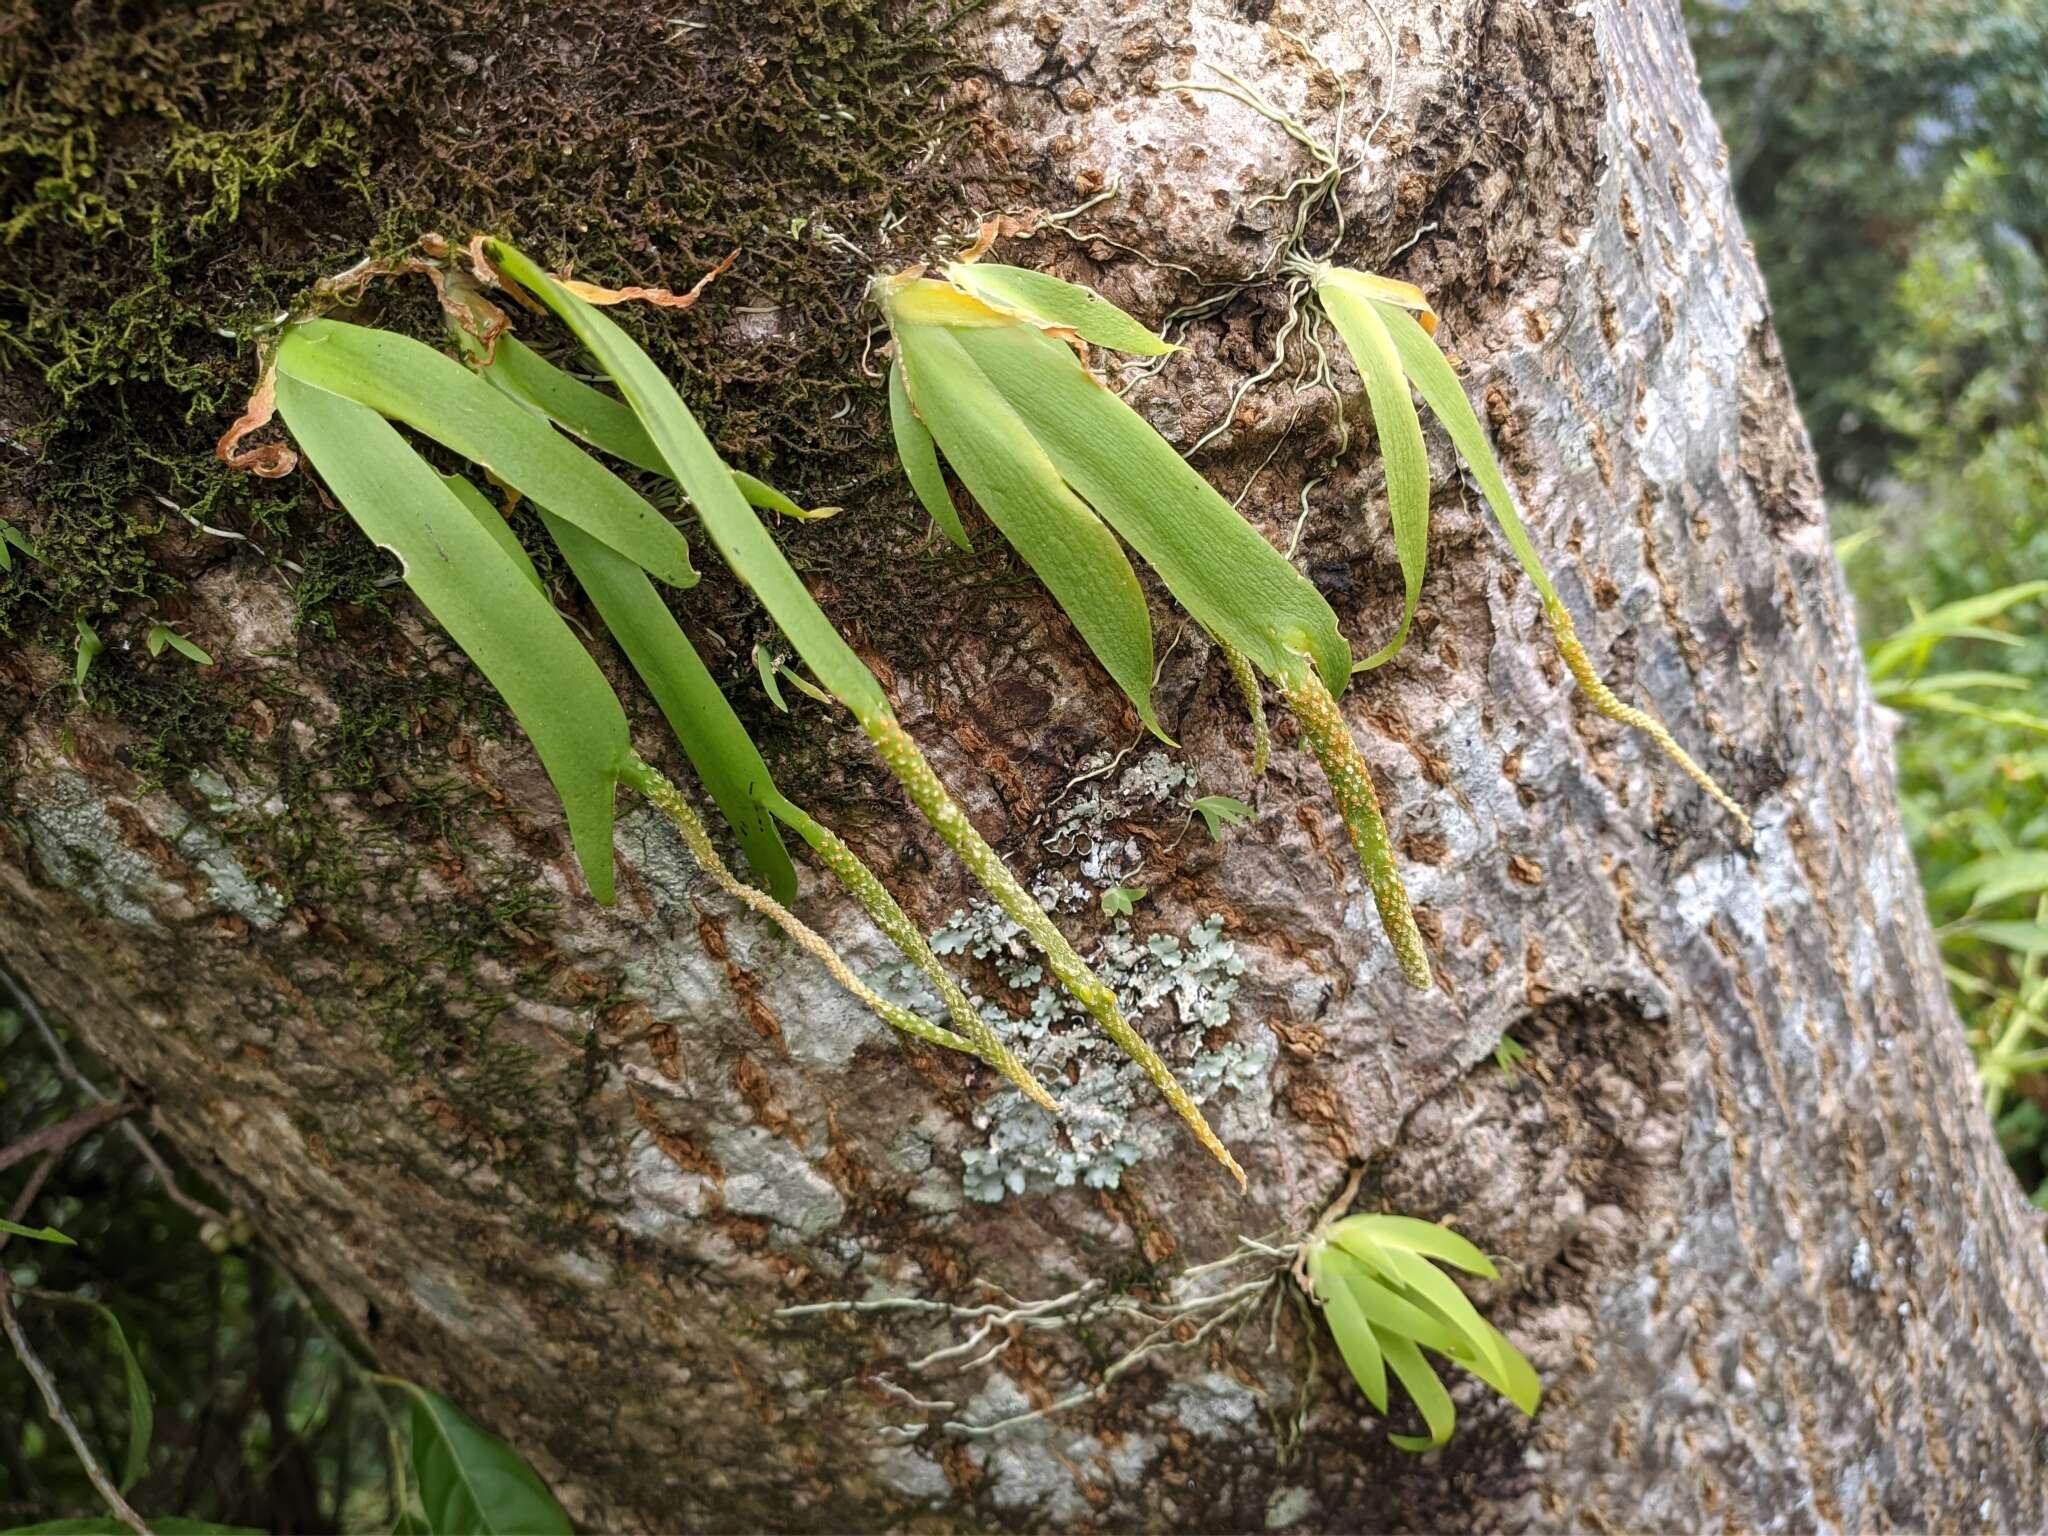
176,185
180,712
173,184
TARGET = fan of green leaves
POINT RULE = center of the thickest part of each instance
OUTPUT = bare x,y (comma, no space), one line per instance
1388,328
984,371
1386,1301
339,389
663,432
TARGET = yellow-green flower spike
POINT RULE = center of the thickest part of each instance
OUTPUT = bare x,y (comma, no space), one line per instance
1322,723
1254,700
1604,700
901,755
884,911
667,799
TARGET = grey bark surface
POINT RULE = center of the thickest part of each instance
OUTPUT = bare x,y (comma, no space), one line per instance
1759,1241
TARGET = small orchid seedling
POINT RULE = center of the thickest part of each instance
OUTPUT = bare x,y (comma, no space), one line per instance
987,371
339,388
1386,1302
1389,328
1373,1280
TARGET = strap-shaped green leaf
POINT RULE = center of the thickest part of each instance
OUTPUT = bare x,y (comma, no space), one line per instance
997,459
483,599
1349,1326
1236,585
1519,1384
409,381
1431,374
920,460
1401,448
759,493
1423,1384
478,505
723,755
1392,1311
695,466
1359,1242
1418,1236
1048,300
1500,1365
606,424
1441,1292
1371,1317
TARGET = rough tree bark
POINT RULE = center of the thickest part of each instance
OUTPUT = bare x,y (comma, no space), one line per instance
564,1162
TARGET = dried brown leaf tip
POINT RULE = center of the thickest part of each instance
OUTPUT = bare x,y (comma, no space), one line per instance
1002,227
270,461
486,272
664,298
461,299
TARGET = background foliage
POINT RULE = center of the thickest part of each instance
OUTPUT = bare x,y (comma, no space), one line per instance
1891,159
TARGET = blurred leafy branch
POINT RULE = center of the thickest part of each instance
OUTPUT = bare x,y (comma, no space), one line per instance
170,1361
1900,148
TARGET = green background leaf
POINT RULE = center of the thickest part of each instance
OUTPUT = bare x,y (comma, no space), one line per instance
470,1482
107,1525
41,1234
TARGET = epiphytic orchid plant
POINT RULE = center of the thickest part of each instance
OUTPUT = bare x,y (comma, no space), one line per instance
1389,329
984,370
339,388
991,369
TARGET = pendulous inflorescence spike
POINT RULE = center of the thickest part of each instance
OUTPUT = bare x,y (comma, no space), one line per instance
888,915
907,763
666,798
1591,684
1322,723
1254,701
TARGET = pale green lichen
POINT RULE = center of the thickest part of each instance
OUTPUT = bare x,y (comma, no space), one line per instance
83,849
1180,985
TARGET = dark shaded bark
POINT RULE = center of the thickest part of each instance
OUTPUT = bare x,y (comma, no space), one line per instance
564,1163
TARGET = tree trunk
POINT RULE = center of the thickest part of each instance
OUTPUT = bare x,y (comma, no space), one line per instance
565,1163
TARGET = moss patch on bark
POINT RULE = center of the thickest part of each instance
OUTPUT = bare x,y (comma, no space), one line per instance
175,176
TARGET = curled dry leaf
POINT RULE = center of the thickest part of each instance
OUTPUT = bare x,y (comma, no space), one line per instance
466,307
486,272
270,461
461,300
664,298
1002,227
